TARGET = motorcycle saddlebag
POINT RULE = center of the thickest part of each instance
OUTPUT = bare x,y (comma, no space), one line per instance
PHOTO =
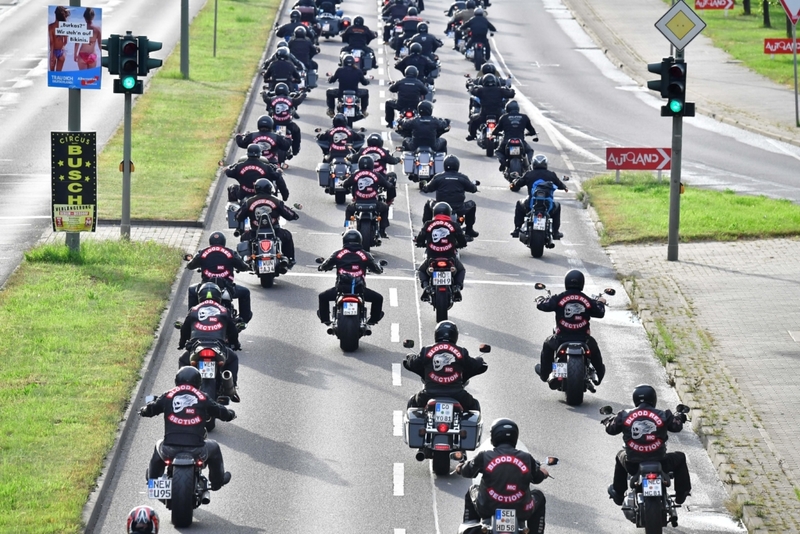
438,162
324,174
408,162
243,249
474,428
415,422
231,212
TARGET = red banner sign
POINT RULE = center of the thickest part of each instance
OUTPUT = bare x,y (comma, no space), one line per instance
638,159
778,46
713,4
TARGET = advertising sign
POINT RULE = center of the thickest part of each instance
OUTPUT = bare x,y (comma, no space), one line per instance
638,159
74,181
73,43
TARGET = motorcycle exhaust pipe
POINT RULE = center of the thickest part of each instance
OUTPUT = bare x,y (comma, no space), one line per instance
227,383
420,456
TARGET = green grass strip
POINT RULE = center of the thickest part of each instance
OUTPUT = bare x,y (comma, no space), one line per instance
636,210
180,127
76,329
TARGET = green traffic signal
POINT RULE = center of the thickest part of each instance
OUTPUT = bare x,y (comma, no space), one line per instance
128,82
676,88
128,61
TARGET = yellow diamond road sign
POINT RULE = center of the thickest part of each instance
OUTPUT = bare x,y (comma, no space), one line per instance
680,25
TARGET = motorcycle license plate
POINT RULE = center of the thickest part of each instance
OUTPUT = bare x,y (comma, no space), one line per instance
538,223
159,488
424,170
442,278
356,54
470,53
350,308
349,112
266,266
337,183
651,488
326,27
560,369
513,151
505,521
443,413
404,51
208,369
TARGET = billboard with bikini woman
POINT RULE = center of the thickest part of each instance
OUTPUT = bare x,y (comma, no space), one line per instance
74,47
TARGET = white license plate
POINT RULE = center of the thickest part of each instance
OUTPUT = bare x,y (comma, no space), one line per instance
281,130
470,53
159,488
443,413
208,369
266,266
442,278
424,170
514,150
326,27
356,53
560,369
350,308
349,112
404,51
337,183
651,488
505,521
538,223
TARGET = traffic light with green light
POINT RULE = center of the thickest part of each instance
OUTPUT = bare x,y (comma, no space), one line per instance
128,66
676,92
147,63
111,61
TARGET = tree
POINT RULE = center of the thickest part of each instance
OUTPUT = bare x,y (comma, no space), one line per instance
765,8
746,6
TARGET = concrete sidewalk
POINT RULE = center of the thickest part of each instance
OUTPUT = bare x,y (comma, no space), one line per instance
721,87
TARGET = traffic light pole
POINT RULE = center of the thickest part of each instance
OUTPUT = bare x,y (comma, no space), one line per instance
675,182
185,39
73,239
125,223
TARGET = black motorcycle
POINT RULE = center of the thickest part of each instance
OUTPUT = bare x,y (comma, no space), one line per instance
517,163
367,220
537,228
332,174
264,250
648,505
485,138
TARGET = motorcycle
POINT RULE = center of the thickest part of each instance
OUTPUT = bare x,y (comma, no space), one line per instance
517,162
537,228
349,318
485,138
227,296
476,52
263,251
406,115
331,175
367,221
422,164
331,25
647,504
350,107
441,292
572,368
362,58
442,429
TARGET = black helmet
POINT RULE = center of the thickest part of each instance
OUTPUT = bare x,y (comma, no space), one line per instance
253,150
358,21
412,12
339,120
488,68
282,53
512,107
366,163
375,139
644,394
479,12
300,32
446,331
142,520
349,60
188,375
217,239
351,237
574,280
422,27
263,187
442,208
295,15
265,123
451,163
415,48
504,431
411,71
540,161
425,108
490,80
283,44
209,291
470,4
282,89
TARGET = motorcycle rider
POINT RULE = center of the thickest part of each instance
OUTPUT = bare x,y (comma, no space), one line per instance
450,187
393,11
358,37
185,410
365,185
287,30
410,91
458,18
217,264
351,263
382,159
492,97
507,474
428,42
281,68
409,24
247,170
282,105
424,65
573,310
303,48
274,147
441,239
532,179
445,368
142,520
264,198
514,124
340,137
649,445
424,130
348,76
478,28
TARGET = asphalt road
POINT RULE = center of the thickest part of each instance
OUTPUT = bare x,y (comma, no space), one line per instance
316,444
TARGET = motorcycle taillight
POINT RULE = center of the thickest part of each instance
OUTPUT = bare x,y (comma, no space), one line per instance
265,245
409,114
490,125
441,264
349,99
652,476
208,353
443,427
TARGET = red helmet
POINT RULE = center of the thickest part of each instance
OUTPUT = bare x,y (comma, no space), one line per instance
142,520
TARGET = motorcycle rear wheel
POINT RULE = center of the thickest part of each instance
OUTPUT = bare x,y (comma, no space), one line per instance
515,166
489,147
576,377
477,58
209,388
366,230
537,243
348,331
340,197
267,280
182,502
441,462
653,515
441,303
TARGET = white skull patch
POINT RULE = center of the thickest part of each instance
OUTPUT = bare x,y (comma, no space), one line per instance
339,137
365,182
183,401
642,428
573,308
439,233
281,108
441,360
207,311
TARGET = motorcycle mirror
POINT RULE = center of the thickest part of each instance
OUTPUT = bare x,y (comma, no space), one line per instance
317,130
408,344
551,460
383,263
220,163
362,130
477,182
682,408
223,400
298,206
149,398
484,348
178,325
565,179
319,260
606,410
539,285
467,75
610,291
328,74
188,257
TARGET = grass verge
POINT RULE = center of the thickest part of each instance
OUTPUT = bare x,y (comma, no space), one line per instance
180,127
77,327
636,210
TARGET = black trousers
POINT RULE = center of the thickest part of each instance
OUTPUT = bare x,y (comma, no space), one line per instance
332,94
293,130
240,293
458,279
549,350
383,211
536,521
522,209
231,363
216,466
468,402
287,241
439,146
501,151
478,119
673,462
373,297
393,105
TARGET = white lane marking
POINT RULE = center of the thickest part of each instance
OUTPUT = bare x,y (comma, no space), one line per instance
398,479
399,531
381,82
380,51
380,61
383,105
397,419
416,291
385,136
414,279
395,332
382,93
391,212
393,297
397,378
26,217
